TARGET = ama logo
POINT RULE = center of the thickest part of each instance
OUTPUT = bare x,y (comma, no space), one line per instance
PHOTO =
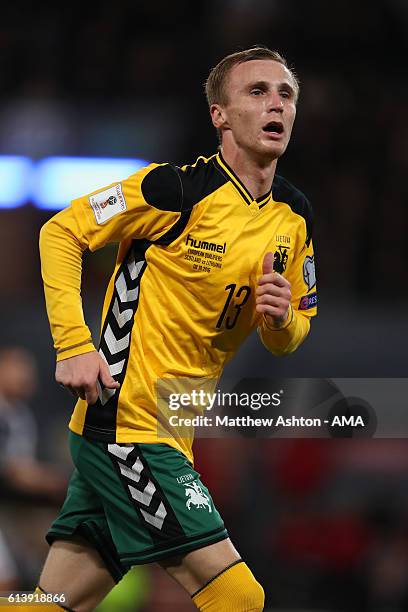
352,417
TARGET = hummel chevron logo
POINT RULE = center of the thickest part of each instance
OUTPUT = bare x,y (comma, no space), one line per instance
119,321
142,495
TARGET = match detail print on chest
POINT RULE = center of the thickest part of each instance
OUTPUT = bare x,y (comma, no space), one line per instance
204,255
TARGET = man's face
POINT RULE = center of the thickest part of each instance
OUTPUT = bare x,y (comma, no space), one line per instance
260,108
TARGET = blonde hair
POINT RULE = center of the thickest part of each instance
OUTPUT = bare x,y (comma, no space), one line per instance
215,84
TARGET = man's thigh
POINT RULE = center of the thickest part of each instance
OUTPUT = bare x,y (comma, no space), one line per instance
195,569
155,504
75,570
83,563
136,503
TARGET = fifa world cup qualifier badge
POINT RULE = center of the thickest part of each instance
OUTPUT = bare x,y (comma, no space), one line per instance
107,203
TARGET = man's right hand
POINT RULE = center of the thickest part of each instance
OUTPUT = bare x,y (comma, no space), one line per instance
80,374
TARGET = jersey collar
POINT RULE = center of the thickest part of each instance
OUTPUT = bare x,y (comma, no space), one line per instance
239,185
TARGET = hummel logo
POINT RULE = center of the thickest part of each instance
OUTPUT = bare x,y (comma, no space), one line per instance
206,246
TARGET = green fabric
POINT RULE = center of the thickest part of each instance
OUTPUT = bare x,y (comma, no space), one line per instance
113,500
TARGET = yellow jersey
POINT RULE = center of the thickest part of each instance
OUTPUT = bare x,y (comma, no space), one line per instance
181,299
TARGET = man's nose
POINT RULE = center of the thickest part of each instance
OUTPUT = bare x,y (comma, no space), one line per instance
275,102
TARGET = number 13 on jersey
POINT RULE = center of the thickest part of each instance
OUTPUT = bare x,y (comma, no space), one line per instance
241,297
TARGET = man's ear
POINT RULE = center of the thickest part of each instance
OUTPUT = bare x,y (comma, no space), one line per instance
218,116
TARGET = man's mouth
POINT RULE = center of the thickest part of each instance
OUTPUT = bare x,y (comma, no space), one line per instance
273,127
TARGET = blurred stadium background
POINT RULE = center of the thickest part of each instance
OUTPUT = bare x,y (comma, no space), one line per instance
322,523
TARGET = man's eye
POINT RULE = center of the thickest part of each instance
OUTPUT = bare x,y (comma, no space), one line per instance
285,94
256,92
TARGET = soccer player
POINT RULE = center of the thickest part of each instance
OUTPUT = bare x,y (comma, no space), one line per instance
207,253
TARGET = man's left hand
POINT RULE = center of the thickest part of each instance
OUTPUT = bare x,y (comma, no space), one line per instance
273,294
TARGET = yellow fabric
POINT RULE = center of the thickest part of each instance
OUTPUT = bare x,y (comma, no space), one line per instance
67,235
61,247
140,219
285,339
195,298
235,590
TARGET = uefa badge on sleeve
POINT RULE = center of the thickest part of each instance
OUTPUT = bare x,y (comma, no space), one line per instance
309,273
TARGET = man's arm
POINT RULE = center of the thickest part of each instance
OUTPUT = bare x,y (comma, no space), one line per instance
61,248
79,365
145,206
282,329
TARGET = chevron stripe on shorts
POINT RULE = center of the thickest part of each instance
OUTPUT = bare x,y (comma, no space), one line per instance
144,491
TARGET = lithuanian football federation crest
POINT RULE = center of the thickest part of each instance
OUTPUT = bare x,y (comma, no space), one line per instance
197,497
280,258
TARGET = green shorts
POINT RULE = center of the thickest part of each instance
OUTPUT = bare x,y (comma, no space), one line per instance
136,503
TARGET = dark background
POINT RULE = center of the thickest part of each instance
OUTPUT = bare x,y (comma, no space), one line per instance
125,79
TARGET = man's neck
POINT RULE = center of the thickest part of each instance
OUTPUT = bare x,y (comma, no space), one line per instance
255,174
